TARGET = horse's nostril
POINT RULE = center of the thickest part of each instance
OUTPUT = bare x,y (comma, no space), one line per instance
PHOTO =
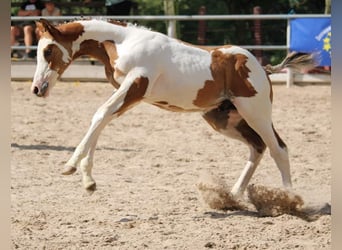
35,90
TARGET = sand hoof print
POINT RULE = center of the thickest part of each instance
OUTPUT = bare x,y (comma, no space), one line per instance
274,201
215,193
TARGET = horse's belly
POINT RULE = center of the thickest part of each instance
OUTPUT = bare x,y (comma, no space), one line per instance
177,92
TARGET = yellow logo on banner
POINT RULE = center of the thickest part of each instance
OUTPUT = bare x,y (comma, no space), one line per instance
327,43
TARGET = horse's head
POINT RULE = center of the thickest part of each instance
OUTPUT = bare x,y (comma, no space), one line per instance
54,54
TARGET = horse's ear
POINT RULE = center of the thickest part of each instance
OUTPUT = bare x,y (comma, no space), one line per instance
40,26
44,25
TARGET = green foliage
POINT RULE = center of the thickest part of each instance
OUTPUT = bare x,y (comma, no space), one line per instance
217,32
15,9
151,7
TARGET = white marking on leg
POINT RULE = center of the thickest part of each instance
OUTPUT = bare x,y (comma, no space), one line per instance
247,173
86,168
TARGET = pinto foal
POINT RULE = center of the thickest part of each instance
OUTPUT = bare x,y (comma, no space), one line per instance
225,84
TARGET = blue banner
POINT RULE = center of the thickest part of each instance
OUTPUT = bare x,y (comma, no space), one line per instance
312,35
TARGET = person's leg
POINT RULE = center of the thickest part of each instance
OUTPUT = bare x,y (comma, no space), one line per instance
28,37
15,33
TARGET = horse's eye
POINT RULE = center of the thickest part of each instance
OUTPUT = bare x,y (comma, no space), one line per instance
47,52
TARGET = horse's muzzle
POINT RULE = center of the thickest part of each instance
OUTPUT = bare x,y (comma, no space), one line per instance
41,92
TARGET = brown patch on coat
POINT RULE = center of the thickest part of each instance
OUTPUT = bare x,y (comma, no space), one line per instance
209,94
175,108
66,33
116,22
169,107
61,33
252,137
70,31
111,56
226,116
105,52
162,103
230,75
271,88
240,86
218,117
134,94
281,143
54,56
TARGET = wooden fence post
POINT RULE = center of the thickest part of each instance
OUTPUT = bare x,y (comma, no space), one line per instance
257,34
202,27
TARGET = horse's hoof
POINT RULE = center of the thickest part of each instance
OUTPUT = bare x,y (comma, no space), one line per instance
68,170
91,187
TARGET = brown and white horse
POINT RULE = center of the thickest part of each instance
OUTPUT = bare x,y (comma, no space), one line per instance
225,84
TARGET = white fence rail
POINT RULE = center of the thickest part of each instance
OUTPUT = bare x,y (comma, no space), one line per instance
289,78
171,19
82,71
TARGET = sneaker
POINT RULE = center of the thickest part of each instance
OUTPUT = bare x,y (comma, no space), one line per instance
25,56
32,54
14,54
29,55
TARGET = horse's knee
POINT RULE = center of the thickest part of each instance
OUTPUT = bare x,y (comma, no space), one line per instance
98,116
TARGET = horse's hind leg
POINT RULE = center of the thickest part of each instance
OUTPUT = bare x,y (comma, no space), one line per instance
226,120
261,123
256,150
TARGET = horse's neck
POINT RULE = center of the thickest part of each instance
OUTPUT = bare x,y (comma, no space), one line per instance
102,31
95,33
93,49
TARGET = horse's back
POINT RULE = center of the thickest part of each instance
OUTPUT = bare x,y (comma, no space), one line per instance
188,70
180,74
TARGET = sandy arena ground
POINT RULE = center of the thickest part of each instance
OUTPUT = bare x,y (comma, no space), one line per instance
147,165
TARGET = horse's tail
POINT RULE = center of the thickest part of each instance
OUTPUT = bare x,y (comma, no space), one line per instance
296,61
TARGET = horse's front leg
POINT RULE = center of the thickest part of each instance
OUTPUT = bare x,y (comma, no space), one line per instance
86,166
130,93
84,152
